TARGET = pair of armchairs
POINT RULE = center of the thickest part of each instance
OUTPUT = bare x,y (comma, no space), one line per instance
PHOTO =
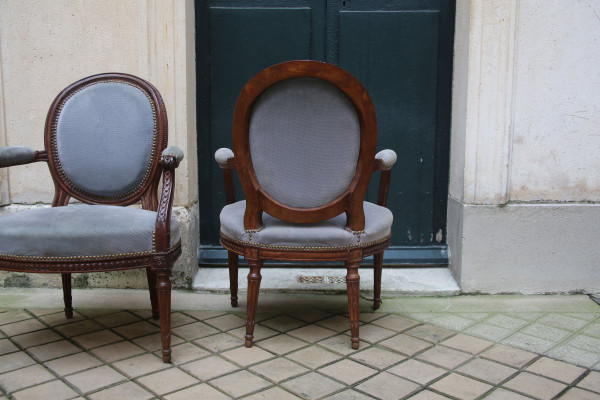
304,135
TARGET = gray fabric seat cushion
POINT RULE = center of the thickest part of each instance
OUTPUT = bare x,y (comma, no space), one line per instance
328,234
79,231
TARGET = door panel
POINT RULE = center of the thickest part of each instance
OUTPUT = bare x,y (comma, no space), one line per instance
401,50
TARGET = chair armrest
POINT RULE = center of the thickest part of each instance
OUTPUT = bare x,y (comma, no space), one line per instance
385,159
225,158
18,155
169,160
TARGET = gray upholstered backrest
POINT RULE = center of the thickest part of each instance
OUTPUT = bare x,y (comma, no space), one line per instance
106,139
304,142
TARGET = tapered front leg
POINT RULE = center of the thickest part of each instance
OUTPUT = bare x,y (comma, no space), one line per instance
353,286
152,289
163,288
254,278
233,277
66,284
377,267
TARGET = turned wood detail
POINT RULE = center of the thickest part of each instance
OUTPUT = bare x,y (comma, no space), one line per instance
254,278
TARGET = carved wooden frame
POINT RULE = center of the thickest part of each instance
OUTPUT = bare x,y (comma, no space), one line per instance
158,263
350,202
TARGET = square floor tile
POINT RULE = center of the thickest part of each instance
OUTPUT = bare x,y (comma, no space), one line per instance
586,343
417,371
73,363
56,389
17,328
198,392
545,332
273,393
36,338
468,344
450,321
348,371
53,350
226,322
96,339
427,395
488,371
17,360
117,351
60,318
489,332
281,344
536,386
461,387
78,328
312,386
386,386
201,315
336,323
117,319
444,356
378,358
311,333
96,312
528,342
167,381
503,394
509,355
406,344
240,383
593,330
431,333
128,390
563,322
13,316
310,316
283,323
247,356
194,331
579,394
373,333
153,343
6,346
350,395
342,344
506,321
136,329
22,378
591,382
395,323
278,369
209,368
141,365
95,378
185,353
574,355
219,342
177,319
369,317
559,370
313,357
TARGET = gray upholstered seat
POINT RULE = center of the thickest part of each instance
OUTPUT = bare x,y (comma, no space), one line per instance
80,231
328,234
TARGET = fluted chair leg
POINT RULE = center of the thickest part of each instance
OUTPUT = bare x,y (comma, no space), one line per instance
163,288
66,284
233,277
377,267
353,286
254,278
153,295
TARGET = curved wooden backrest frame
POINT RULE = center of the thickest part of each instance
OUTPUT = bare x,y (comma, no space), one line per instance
351,201
147,191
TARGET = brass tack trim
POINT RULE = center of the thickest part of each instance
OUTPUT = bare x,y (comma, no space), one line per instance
272,246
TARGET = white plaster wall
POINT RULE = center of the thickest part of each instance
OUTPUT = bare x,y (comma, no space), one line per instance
556,123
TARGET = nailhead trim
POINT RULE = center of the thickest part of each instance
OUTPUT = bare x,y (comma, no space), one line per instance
272,246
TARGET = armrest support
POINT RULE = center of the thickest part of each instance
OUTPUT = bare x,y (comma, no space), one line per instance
19,155
384,161
170,159
226,160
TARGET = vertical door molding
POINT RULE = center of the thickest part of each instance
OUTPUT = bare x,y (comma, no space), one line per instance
4,194
482,117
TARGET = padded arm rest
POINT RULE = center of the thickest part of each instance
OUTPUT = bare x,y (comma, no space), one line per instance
386,159
15,155
222,156
175,152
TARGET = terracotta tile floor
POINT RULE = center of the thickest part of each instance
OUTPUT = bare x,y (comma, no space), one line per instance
114,354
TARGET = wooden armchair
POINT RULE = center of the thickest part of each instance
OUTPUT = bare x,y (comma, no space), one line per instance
304,136
106,146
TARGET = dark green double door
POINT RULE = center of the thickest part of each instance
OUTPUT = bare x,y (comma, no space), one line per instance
401,50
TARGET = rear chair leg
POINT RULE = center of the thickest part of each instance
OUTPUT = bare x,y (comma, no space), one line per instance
66,283
254,278
377,267
353,286
233,277
152,289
